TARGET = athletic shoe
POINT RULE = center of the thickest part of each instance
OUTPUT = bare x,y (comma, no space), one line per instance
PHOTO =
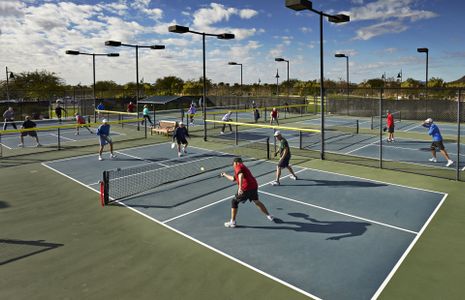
270,218
179,154
449,162
274,183
21,145
230,224
100,158
221,132
38,145
388,140
77,133
293,177
432,159
112,155
184,150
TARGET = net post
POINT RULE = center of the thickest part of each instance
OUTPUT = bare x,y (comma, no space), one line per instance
300,139
371,125
358,127
105,190
145,129
274,140
58,138
265,113
236,134
268,157
1,146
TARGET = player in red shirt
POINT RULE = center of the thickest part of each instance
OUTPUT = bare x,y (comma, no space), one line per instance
81,122
131,107
390,126
247,190
274,116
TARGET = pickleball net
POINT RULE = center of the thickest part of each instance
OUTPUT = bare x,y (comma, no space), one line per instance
122,183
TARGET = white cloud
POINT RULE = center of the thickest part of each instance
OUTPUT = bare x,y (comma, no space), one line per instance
369,32
306,29
205,17
385,9
247,13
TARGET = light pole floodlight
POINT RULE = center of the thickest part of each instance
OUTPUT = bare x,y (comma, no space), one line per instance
226,36
299,4
422,50
178,29
232,63
157,47
279,59
113,54
340,55
72,52
113,43
341,18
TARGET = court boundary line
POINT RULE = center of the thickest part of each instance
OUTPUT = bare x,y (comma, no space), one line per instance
378,292
409,248
339,213
141,159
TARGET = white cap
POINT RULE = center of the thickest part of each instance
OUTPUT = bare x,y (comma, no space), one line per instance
277,133
181,123
429,120
104,121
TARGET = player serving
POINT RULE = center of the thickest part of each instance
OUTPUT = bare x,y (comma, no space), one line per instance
247,189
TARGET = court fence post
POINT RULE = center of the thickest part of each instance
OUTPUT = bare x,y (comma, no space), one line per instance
1,146
145,129
236,133
268,148
381,129
358,126
300,140
58,138
265,113
459,113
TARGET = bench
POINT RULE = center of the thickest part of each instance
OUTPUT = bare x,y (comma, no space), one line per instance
164,127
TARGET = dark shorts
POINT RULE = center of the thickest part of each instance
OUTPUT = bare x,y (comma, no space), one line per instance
391,129
250,195
435,145
182,141
284,162
29,133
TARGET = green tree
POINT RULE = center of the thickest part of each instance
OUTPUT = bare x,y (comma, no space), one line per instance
37,85
169,85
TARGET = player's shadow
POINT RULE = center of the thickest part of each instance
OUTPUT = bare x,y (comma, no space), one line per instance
21,249
4,204
344,229
343,183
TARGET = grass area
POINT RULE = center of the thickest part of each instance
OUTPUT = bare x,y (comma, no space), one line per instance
113,253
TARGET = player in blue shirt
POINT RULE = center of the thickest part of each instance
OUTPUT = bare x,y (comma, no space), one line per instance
103,132
433,130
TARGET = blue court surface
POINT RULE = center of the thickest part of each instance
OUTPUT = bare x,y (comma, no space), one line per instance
360,145
334,236
50,138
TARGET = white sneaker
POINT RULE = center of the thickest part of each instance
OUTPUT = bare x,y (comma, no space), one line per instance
230,224
274,183
221,132
179,154
293,177
184,150
21,145
39,145
100,158
449,163
77,133
112,156
432,159
270,218
388,140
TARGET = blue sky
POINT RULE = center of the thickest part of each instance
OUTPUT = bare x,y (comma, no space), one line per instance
382,37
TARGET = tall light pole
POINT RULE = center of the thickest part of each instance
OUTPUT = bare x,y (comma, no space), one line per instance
340,18
347,70
277,83
399,78
425,50
231,63
153,47
221,36
279,59
258,90
74,52
9,75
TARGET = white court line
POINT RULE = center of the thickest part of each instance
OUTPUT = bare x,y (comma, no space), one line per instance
62,137
413,149
360,148
407,251
410,128
224,199
6,146
69,177
338,212
142,159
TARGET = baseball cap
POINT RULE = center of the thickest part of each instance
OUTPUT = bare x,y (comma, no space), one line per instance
104,121
429,120
277,133
181,123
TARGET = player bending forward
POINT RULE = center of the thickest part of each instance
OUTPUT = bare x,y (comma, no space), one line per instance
180,134
247,190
